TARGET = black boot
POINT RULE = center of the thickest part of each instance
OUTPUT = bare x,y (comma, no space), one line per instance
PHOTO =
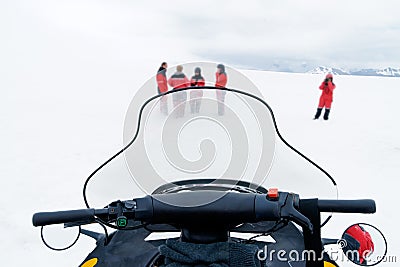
326,115
319,110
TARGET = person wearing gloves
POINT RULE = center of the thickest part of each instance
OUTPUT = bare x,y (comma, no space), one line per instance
177,81
162,87
220,82
325,101
196,95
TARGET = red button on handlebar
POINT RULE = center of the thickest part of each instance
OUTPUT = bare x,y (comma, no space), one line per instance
273,193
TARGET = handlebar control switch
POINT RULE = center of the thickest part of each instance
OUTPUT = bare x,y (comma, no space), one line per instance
273,194
130,204
122,221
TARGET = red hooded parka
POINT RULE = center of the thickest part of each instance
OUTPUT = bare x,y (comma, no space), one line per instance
327,94
162,81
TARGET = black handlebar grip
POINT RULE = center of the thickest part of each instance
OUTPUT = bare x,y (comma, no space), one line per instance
347,206
47,218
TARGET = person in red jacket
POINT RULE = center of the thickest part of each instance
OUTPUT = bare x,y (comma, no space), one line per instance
221,79
327,87
162,87
196,95
360,241
177,81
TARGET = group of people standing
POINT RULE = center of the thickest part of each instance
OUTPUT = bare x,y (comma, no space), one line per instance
179,80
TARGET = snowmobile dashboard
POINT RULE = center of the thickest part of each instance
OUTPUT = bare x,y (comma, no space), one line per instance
227,211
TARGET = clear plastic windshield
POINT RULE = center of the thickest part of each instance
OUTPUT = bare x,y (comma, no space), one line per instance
204,133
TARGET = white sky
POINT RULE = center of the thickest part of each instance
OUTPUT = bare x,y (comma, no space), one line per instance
95,33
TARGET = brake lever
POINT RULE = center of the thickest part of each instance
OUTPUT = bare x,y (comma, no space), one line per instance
80,223
288,211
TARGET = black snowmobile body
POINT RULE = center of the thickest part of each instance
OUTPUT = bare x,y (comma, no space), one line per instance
232,213
125,248
128,248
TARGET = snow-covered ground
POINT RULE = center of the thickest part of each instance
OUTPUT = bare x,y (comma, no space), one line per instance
54,133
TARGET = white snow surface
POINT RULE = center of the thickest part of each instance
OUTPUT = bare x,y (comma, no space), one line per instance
55,133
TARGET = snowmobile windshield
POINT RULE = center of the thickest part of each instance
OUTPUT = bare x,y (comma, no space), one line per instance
203,121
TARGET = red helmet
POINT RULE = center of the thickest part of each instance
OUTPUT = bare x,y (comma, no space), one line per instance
329,76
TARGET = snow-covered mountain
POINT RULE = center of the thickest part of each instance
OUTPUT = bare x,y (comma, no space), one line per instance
323,70
388,72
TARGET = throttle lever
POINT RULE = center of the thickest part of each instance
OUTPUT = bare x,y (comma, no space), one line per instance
288,211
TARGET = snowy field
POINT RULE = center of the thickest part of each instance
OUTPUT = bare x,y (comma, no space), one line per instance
54,134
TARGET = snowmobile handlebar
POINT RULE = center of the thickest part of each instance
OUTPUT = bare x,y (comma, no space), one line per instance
230,208
83,215
347,206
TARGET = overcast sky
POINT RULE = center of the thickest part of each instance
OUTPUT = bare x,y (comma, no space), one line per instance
256,34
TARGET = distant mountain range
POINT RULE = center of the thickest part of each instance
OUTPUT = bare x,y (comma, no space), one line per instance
295,65
388,72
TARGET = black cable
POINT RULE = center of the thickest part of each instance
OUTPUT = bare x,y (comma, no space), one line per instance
208,88
269,231
59,249
326,221
106,236
119,152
